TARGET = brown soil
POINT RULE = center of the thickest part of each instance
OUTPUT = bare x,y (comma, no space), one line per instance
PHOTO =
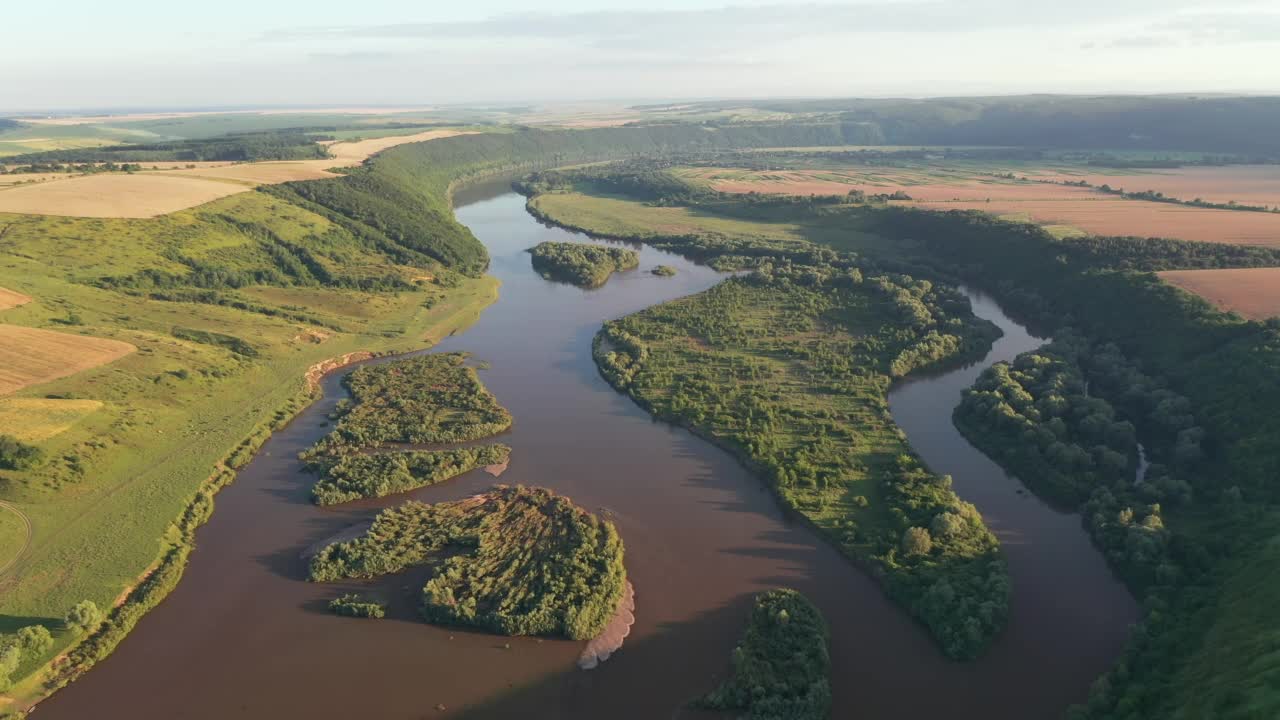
604,645
11,299
317,371
1245,184
1115,216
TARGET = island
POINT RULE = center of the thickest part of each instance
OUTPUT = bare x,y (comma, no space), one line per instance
513,561
587,266
433,399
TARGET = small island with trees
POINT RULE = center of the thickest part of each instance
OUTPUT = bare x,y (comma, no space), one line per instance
512,561
587,266
781,667
429,399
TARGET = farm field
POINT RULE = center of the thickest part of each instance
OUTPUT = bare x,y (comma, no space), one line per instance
609,216
139,195
39,138
972,187
1243,184
1251,292
1107,216
153,193
33,420
622,217
921,182
128,443
30,356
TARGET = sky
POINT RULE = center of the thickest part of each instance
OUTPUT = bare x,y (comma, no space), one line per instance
81,54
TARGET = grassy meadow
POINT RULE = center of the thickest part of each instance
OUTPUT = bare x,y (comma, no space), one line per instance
128,443
609,216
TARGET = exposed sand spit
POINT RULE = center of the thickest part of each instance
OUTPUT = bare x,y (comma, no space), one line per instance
607,643
346,535
317,371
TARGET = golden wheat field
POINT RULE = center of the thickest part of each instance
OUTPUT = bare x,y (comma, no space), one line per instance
140,195
29,356
33,420
150,193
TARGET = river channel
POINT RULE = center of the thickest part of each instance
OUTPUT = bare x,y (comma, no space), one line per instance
245,636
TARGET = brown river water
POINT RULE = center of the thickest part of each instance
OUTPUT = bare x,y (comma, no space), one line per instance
245,636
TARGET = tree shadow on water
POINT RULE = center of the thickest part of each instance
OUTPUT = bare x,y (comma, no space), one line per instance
651,677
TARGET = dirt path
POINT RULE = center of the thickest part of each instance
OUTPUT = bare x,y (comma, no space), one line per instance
26,542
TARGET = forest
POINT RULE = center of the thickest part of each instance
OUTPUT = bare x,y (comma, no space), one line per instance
1227,124
240,147
435,398
527,562
781,667
788,368
352,605
1195,385
587,266
368,475
426,399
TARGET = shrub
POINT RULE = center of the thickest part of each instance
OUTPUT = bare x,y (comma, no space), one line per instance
84,617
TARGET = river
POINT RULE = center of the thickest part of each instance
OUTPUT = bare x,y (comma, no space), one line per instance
245,636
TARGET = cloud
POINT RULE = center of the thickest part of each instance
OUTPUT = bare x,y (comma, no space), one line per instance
1226,28
714,26
356,55
1143,42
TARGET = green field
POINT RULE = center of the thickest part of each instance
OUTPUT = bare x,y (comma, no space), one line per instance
116,479
793,380
40,138
14,534
607,216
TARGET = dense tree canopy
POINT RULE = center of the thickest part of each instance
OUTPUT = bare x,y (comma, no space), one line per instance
533,562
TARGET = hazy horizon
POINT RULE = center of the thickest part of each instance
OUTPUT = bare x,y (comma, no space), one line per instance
78,55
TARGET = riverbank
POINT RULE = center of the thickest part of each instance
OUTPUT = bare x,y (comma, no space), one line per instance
162,576
702,539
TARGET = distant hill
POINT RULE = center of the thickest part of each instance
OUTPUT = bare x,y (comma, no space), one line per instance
239,147
6,124
1219,124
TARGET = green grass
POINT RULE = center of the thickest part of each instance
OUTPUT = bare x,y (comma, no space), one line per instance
616,216
41,138
13,535
588,266
103,505
32,420
533,563
793,380
781,669
373,133
608,216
